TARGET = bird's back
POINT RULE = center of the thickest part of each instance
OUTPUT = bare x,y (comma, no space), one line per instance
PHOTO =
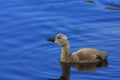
88,55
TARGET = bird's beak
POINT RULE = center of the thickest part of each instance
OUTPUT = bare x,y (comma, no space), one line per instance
52,39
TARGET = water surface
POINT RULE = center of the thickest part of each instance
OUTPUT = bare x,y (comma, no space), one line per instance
25,24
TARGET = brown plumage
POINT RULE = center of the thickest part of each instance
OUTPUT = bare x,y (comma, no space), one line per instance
85,55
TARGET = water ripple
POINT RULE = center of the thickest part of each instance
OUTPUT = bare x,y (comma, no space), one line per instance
25,25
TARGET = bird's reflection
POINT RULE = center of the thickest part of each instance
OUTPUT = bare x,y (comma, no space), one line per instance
89,66
80,67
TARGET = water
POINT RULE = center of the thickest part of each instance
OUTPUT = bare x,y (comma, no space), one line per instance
25,24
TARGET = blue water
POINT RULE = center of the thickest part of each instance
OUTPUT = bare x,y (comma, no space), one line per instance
25,24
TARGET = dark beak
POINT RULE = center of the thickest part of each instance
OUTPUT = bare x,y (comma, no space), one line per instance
52,39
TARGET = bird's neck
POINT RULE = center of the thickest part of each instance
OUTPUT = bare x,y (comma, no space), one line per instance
65,53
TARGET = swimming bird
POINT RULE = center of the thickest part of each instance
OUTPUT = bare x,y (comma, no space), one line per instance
84,55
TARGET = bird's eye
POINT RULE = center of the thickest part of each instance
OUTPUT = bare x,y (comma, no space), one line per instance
58,37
